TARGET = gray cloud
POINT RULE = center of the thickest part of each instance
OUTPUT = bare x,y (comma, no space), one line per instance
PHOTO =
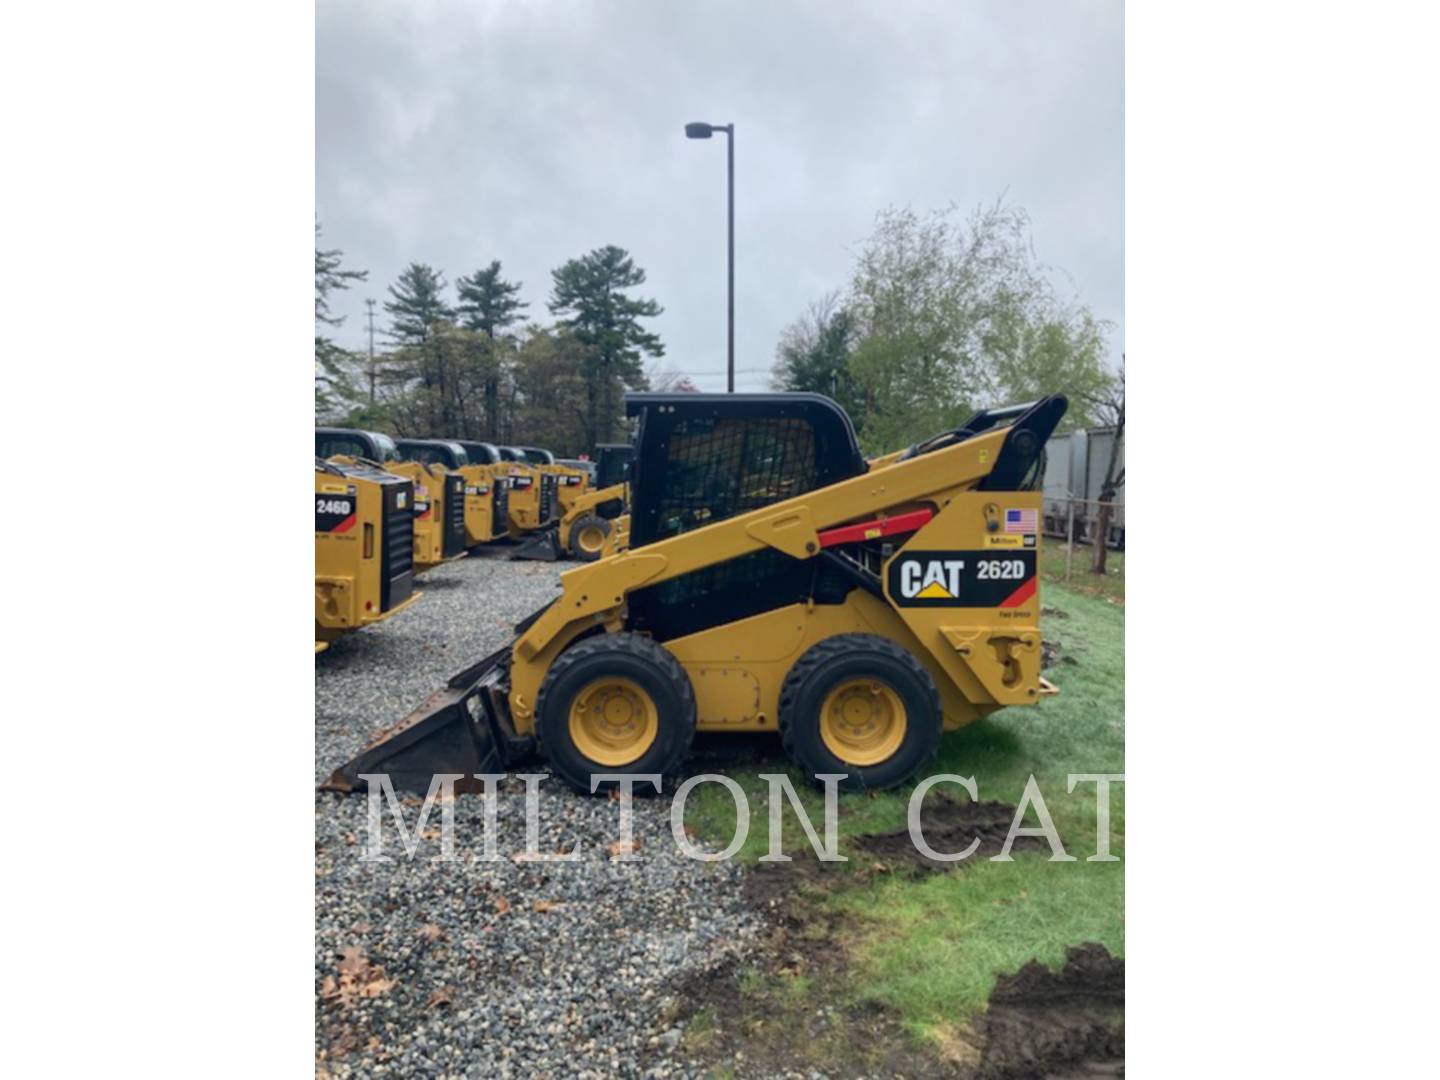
454,133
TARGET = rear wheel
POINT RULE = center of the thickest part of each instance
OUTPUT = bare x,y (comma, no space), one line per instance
860,705
588,536
615,703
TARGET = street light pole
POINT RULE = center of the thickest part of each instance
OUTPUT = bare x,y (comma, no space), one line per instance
705,131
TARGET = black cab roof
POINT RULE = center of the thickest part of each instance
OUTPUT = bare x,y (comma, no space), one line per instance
433,452
480,453
352,442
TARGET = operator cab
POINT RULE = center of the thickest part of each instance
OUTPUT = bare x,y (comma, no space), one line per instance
480,453
442,452
350,442
612,462
702,458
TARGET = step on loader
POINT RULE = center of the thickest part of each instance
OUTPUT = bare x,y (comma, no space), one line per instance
775,581
363,548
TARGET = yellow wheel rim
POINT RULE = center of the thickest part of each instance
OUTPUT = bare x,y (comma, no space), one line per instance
862,722
613,721
591,538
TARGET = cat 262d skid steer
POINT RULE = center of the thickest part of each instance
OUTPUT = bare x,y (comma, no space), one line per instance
775,581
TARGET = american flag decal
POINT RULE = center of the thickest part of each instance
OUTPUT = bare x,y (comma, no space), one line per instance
1022,521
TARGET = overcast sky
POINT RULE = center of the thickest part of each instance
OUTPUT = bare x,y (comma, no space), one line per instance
454,133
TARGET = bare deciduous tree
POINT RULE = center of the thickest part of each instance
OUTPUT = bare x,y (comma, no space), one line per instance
1109,410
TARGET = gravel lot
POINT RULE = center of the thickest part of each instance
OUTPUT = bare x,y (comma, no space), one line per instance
508,968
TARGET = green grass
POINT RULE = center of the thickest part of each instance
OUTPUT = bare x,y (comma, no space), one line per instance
930,946
1110,585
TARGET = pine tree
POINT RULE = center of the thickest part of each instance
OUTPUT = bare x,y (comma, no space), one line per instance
416,304
418,314
488,305
330,381
590,291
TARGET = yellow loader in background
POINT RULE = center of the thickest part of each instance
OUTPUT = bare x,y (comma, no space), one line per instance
438,499
485,492
363,548
775,581
592,522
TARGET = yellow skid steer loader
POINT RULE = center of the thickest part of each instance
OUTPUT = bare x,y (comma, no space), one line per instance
438,497
531,497
588,528
775,581
363,554
487,492
484,496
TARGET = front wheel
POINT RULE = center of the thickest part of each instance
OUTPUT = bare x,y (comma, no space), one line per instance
615,703
862,706
588,536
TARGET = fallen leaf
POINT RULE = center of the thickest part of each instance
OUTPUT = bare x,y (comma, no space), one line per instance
377,986
501,905
544,905
431,932
879,868
438,998
430,834
622,847
352,960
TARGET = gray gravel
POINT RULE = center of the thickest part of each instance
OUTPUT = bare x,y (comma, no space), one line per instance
509,968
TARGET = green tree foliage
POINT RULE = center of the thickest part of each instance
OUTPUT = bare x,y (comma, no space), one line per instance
589,293
333,387
424,370
488,302
417,302
948,315
814,354
435,387
489,305
550,391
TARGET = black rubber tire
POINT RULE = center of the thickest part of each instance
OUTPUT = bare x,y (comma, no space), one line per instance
589,521
847,656
639,659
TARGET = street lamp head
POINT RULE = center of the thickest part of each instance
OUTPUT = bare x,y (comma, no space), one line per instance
698,131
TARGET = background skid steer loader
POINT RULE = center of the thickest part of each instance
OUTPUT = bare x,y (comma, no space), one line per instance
588,528
531,497
775,581
363,548
487,490
482,506
439,526
439,513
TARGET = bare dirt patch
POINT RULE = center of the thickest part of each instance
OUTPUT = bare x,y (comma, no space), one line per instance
1061,1024
949,825
784,1009
789,1008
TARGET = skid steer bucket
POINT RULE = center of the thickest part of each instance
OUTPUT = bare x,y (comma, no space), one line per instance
458,730
542,545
